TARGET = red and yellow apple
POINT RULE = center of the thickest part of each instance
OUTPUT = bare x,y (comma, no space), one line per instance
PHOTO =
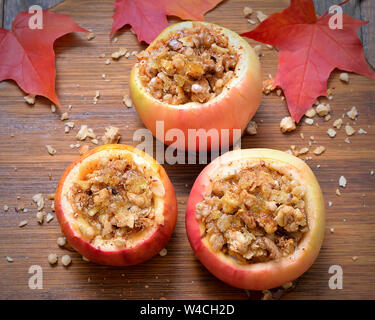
147,243
262,275
232,109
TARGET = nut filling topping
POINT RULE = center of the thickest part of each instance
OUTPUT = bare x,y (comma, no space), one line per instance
256,215
115,200
193,65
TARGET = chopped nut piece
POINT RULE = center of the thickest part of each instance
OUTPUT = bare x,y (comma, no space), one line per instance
64,116
323,109
352,113
108,62
53,108
327,117
331,132
337,123
96,97
251,21
66,260
111,135
349,130
49,217
127,101
9,259
319,150
61,241
330,203
22,223
30,99
342,182
261,16
309,121
347,140
95,141
247,11
344,77
287,285
332,230
6,208
287,124
39,200
338,193
303,151
310,113
40,216
116,55
50,150
90,36
251,128
52,258
355,258
268,86
163,252
85,132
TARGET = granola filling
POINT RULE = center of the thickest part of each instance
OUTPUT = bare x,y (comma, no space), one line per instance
193,65
256,215
114,201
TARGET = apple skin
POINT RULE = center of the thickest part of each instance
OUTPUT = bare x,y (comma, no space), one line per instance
231,110
259,276
144,249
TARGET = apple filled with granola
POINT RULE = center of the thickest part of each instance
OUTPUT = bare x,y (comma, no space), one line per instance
116,205
197,76
255,218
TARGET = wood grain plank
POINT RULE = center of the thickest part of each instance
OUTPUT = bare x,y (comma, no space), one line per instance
13,7
179,275
368,31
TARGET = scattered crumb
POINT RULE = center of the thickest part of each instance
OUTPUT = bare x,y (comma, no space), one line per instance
302,136
347,140
107,62
6,208
338,193
309,121
261,16
66,260
319,150
331,132
267,295
61,241
85,259
84,149
258,51
362,131
49,217
163,252
371,173
101,55
22,223
95,141
9,259
330,203
90,36
85,132
96,97
344,77
332,230
287,124
53,108
352,113
327,117
251,128
39,200
287,285
349,130
303,150
40,216
354,258
251,21
247,11
30,99
111,135
127,101
268,86
310,113
64,116
323,109
337,123
52,258
342,182
50,150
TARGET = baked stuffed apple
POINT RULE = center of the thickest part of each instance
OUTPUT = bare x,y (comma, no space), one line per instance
255,218
116,205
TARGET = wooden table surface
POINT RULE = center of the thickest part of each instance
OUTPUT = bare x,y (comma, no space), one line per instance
26,169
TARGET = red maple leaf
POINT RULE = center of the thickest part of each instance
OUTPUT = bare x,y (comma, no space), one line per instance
149,18
27,56
309,51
